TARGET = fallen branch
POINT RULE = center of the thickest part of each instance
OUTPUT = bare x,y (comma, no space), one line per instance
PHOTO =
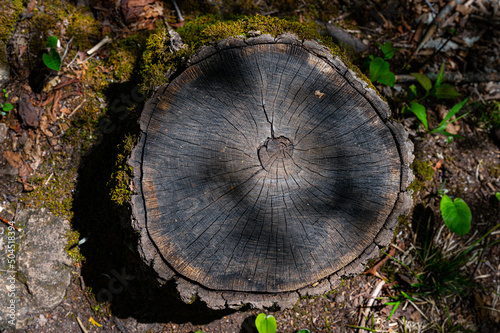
346,38
375,293
98,46
436,24
374,270
453,77
11,224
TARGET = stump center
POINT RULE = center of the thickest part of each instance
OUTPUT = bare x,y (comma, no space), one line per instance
273,150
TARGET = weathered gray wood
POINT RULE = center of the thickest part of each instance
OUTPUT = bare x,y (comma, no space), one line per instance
266,169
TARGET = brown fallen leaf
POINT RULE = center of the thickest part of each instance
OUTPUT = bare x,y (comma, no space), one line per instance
44,127
30,115
438,165
14,159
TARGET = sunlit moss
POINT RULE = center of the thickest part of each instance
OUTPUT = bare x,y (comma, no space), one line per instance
9,12
84,29
158,58
119,184
423,172
125,55
53,186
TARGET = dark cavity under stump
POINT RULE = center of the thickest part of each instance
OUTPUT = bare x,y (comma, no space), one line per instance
266,170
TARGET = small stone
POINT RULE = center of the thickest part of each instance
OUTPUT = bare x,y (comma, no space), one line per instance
42,320
340,298
41,271
4,74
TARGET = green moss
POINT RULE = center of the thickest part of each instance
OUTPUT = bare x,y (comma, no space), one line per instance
125,55
84,28
9,12
486,115
494,171
119,184
423,172
47,21
158,59
54,185
71,248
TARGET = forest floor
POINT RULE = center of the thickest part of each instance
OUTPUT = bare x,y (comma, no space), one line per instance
63,143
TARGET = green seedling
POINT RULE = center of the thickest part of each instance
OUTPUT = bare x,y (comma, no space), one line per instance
265,323
304,330
497,195
439,90
52,59
379,67
442,125
456,215
396,301
5,108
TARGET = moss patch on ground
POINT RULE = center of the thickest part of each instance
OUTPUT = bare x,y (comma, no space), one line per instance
423,172
9,12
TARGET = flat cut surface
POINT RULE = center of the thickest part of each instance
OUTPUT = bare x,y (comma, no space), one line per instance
265,170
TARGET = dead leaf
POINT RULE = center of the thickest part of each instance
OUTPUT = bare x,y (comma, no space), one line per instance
44,127
30,115
51,84
438,164
464,10
24,172
15,160
416,316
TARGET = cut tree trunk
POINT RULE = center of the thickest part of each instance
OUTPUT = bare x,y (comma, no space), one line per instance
266,170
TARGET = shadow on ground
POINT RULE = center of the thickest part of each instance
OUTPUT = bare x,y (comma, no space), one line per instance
112,266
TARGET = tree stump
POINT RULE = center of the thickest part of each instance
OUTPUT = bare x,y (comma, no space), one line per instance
266,170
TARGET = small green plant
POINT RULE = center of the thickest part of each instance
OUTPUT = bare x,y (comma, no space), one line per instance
304,330
379,67
5,107
52,59
396,302
497,195
439,90
456,215
265,323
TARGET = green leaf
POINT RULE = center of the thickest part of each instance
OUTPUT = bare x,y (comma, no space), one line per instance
424,81
445,91
52,42
388,79
379,71
419,111
440,77
455,109
52,60
265,324
388,50
394,308
378,68
304,330
412,93
456,215
497,195
7,107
